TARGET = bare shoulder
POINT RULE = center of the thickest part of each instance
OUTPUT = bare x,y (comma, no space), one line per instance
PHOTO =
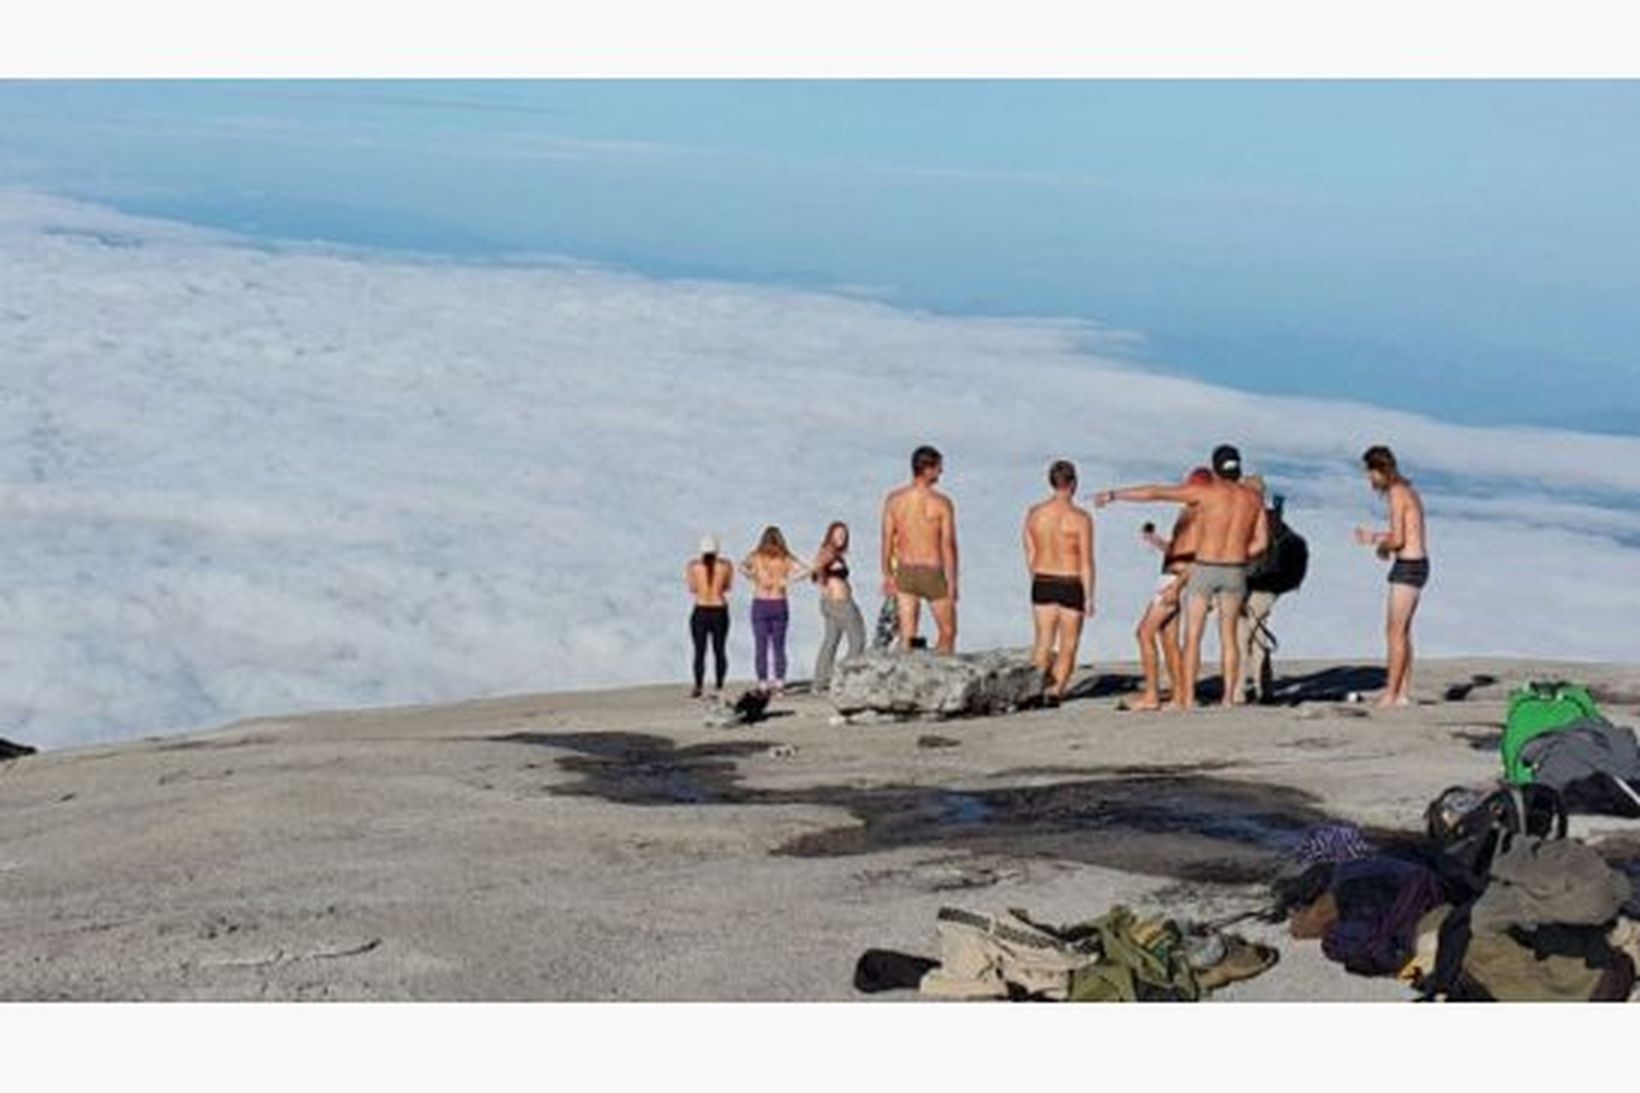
942,502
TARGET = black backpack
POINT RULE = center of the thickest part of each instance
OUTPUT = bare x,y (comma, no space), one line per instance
1282,566
1469,828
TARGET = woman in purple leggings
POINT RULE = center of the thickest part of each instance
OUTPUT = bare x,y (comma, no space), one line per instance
771,567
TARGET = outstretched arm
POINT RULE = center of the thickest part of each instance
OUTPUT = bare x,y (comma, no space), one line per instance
1184,495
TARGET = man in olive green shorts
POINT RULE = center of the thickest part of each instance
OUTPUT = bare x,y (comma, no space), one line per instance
919,554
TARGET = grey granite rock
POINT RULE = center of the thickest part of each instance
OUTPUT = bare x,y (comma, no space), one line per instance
925,684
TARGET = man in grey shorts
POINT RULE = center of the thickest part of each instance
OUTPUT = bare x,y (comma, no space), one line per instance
1234,530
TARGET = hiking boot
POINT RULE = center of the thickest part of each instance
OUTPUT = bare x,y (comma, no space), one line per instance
1242,960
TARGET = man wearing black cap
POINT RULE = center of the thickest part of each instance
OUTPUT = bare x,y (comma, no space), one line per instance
1233,530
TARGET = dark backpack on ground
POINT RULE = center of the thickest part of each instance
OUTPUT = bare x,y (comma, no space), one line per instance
1282,566
1469,828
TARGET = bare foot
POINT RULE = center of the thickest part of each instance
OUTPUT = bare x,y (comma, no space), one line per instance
1146,703
1391,702
1181,706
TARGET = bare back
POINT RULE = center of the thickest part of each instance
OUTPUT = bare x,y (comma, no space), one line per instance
1406,522
1229,519
1059,538
1186,538
919,519
771,573
709,589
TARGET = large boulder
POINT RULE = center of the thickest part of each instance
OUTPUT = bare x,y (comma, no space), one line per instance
925,684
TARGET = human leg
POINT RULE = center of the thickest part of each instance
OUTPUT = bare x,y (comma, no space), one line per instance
909,607
1042,622
945,618
827,656
762,638
1253,640
1149,634
1068,634
697,636
1196,606
777,640
854,625
719,633
1230,605
1403,602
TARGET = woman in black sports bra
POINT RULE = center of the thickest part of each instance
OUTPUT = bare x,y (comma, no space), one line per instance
837,607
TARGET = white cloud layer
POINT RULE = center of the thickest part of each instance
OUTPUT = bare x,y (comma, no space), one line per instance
237,480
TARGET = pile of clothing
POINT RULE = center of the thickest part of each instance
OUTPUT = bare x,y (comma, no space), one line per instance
1117,957
1495,904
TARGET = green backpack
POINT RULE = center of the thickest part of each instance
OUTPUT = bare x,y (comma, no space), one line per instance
1537,708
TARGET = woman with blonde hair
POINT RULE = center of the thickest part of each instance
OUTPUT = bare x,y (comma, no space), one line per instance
771,567
837,607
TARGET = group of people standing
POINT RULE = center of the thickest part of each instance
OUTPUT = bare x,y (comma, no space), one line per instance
1222,530
772,568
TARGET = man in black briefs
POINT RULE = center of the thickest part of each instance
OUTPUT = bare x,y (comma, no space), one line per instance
1058,538
1406,546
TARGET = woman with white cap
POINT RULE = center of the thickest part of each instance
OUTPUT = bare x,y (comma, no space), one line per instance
709,577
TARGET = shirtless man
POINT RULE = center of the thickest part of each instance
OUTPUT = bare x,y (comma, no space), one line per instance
1232,529
919,553
1059,557
1160,623
1406,542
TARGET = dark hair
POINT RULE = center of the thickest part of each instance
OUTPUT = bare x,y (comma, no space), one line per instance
1062,474
924,458
1379,458
709,562
828,553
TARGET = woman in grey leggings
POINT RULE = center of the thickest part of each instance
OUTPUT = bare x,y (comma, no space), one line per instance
837,605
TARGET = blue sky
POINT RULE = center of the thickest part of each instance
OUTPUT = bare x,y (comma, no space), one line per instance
1467,249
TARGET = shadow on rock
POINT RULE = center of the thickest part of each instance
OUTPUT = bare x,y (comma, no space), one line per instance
1327,685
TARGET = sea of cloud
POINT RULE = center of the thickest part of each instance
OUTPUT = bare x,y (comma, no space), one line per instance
239,479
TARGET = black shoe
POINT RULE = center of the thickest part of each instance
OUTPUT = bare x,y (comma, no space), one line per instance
695,693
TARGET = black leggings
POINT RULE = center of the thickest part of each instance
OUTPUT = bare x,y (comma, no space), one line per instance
710,622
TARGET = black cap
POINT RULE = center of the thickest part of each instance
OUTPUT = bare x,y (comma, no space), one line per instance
1227,462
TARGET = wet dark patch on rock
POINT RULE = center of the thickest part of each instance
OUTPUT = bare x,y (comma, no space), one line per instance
1127,770
1312,743
641,769
1171,822
934,740
1480,741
